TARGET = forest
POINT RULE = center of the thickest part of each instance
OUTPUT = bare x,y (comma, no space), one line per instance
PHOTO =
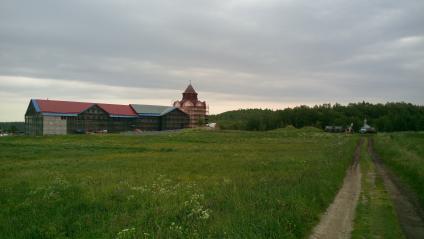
387,117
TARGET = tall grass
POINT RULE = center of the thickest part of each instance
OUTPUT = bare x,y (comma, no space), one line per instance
403,153
193,184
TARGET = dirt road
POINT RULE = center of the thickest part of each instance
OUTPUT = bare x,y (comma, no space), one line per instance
337,222
410,215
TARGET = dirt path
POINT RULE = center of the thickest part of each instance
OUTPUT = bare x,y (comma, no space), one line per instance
337,222
411,216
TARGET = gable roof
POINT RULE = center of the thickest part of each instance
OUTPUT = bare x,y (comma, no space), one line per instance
115,110
71,108
60,107
152,110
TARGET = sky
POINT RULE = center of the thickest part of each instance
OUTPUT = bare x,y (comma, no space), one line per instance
237,53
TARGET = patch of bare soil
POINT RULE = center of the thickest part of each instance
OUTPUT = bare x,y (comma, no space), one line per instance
337,222
410,215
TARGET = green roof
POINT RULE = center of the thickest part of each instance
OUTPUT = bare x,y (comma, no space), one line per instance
152,110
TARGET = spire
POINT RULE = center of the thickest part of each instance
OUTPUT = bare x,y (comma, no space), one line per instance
190,93
190,89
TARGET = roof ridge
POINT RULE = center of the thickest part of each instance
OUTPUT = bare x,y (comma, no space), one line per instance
66,101
151,105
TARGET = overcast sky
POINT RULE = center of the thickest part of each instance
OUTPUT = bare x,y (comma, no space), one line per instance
238,54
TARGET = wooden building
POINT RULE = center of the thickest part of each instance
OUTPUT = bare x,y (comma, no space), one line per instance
50,117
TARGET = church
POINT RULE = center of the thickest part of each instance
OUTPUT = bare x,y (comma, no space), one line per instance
56,117
196,109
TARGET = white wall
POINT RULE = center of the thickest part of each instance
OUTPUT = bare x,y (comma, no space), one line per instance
54,125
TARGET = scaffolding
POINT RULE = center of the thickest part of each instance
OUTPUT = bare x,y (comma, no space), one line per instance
197,114
197,110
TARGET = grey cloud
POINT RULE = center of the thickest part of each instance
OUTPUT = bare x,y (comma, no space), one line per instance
272,50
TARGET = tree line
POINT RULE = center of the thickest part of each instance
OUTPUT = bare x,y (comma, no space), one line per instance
384,117
12,127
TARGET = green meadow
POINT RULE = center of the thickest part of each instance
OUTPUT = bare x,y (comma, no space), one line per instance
189,184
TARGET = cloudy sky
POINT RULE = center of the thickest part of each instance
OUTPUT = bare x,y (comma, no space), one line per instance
237,53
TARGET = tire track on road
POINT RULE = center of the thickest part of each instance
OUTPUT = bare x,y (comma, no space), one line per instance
337,222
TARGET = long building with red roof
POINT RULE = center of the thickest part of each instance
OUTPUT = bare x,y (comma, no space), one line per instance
51,117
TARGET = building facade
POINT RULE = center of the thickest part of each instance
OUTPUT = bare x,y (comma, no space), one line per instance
154,117
52,117
196,109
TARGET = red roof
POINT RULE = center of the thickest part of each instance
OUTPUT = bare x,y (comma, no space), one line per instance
63,107
123,110
70,107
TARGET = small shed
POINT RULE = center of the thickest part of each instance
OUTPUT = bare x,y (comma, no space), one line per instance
334,129
367,128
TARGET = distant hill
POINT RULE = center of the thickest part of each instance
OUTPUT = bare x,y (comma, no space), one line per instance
12,127
385,117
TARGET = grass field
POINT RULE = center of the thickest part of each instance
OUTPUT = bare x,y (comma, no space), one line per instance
403,153
375,213
191,184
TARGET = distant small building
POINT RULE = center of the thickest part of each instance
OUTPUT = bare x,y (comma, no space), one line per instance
196,109
366,128
51,117
349,129
334,129
211,125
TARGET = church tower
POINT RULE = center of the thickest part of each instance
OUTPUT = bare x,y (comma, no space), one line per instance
196,109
